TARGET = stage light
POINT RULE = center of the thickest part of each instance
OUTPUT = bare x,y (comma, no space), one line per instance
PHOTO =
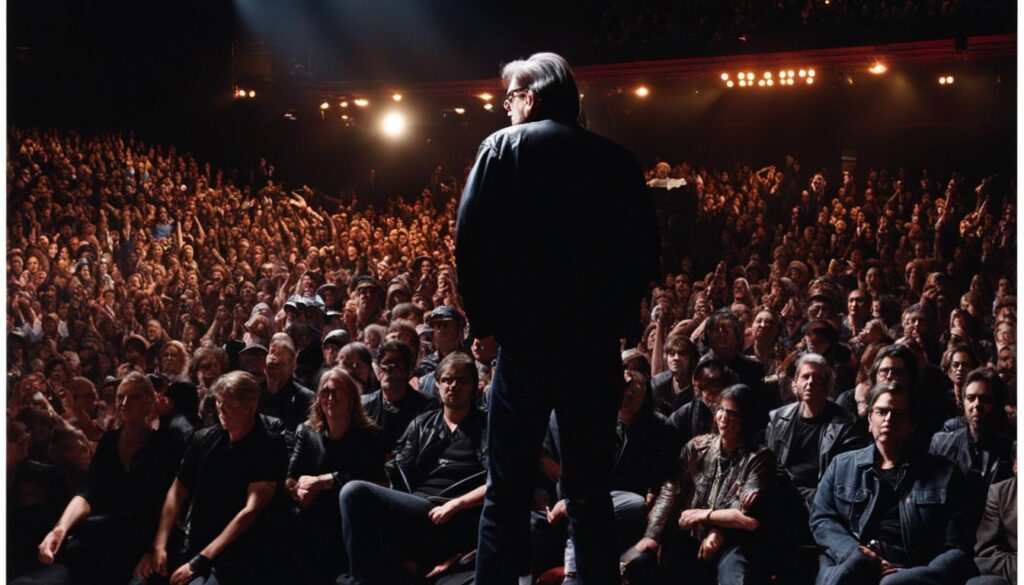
642,92
325,106
782,74
810,81
488,107
770,83
767,74
949,80
725,77
393,124
240,93
486,96
760,83
810,73
743,83
803,73
878,68
750,76
344,116
361,102
343,104
729,83
460,111
252,93
942,81
789,73
397,97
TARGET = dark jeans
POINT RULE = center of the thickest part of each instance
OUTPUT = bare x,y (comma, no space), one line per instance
584,387
736,564
858,569
383,528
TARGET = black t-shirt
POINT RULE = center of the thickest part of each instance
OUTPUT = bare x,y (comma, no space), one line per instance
804,454
884,525
217,474
137,494
458,461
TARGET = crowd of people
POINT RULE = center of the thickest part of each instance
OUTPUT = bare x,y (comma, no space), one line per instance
212,379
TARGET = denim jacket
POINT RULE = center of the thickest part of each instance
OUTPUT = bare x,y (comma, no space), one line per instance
931,507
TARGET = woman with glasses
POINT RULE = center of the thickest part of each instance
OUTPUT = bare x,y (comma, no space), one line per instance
702,526
336,444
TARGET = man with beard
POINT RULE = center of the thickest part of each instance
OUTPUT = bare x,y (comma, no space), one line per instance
283,397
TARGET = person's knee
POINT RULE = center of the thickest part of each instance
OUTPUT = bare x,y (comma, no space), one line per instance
353,493
628,504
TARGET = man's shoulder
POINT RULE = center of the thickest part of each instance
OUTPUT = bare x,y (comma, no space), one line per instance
784,412
515,135
662,379
370,398
945,441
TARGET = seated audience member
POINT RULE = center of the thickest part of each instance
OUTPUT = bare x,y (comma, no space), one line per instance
448,326
957,362
717,485
393,406
228,477
357,360
723,339
438,474
806,435
331,346
118,511
81,408
890,512
337,444
36,495
696,417
766,330
178,408
672,388
996,546
981,448
284,398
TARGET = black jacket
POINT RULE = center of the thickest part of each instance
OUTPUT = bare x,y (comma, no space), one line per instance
394,418
841,434
549,202
361,457
665,399
290,404
422,445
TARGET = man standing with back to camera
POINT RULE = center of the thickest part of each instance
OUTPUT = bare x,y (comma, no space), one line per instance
555,234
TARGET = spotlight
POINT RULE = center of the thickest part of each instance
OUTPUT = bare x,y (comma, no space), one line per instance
488,107
743,83
725,77
361,102
252,93
642,92
343,104
393,124
344,116
770,83
810,81
397,97
460,111
942,81
750,76
803,73
782,74
240,93
760,83
949,80
324,106
767,74
730,83
485,96
810,73
789,73
878,68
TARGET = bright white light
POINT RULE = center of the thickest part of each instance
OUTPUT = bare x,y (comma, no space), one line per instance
486,96
325,106
397,97
725,77
802,73
344,116
750,76
767,74
362,102
488,107
810,73
760,83
810,81
942,81
789,73
878,68
770,83
729,83
393,124
343,104
252,93
642,92
743,83
460,111
949,79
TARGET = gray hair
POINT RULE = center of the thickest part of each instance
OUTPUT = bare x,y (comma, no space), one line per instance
813,358
550,79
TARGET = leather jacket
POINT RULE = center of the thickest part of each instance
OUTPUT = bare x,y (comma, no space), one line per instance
931,506
425,440
529,214
841,434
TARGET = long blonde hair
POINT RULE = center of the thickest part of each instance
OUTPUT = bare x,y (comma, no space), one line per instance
359,420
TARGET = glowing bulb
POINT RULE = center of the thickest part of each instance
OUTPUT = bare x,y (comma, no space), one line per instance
750,76
942,81
782,74
240,93
725,77
393,124
810,81
486,96
324,106
397,97
767,74
460,111
343,104
949,79
770,83
252,93
760,83
878,68
361,102
743,83
642,92
810,73
803,73
488,107
789,73
730,83
344,116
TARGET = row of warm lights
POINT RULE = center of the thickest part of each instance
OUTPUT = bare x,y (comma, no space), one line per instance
245,93
946,80
786,77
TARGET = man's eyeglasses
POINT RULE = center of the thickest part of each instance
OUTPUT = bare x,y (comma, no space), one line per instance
885,413
513,94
